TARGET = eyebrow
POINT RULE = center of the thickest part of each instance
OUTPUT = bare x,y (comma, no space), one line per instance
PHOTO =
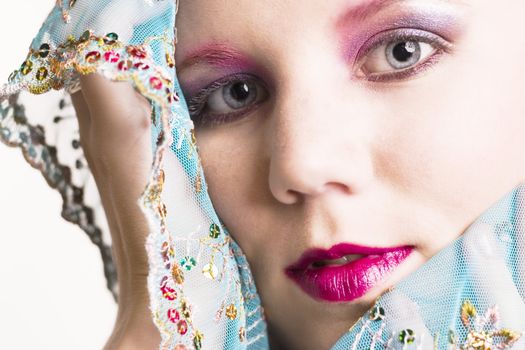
360,11
222,55
215,54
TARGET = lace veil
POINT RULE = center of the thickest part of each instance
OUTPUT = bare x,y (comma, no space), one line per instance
202,295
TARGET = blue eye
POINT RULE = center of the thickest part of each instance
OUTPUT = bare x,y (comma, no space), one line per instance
400,54
227,100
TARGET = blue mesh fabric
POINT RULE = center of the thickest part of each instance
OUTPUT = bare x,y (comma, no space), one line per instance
202,294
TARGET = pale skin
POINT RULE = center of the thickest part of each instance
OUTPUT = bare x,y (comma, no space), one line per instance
327,156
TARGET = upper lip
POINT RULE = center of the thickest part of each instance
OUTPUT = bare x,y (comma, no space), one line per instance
336,252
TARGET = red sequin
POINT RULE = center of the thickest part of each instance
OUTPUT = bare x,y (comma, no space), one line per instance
173,315
182,327
93,56
141,65
112,56
136,51
124,65
167,292
155,83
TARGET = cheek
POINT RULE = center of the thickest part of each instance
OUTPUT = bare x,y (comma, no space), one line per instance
236,175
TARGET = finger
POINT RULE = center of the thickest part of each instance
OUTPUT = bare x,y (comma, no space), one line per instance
84,126
114,104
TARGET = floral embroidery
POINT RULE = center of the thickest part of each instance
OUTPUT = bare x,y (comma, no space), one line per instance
484,332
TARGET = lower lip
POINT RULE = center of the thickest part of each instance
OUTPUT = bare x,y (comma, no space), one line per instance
351,281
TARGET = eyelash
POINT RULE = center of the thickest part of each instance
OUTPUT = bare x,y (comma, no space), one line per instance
441,46
197,103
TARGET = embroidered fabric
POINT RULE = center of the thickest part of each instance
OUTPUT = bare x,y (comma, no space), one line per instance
202,294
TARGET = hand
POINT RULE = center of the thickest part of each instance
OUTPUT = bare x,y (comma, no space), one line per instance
114,125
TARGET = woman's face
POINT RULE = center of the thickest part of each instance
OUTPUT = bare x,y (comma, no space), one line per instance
375,124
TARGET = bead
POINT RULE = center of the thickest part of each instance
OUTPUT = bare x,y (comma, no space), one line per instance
162,177
182,327
12,76
242,334
43,52
93,56
197,340
124,65
173,315
177,274
110,38
41,73
210,271
168,292
215,231
111,56
180,347
170,61
406,336
185,309
26,67
75,144
78,164
141,66
377,313
155,83
231,312
137,52
85,36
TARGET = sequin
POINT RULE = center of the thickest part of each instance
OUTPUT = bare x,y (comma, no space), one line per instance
177,274
43,52
182,327
188,262
377,313
197,340
215,231
242,334
173,315
26,67
85,36
168,292
137,52
12,76
406,336
41,73
155,83
111,56
169,60
231,312
141,66
93,56
185,309
124,65
180,347
110,38
210,271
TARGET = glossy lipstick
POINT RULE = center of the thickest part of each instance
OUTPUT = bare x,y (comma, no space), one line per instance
344,272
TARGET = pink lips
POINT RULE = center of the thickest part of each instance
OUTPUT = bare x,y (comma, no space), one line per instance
324,274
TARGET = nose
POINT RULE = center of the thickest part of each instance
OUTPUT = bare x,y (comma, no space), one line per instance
319,138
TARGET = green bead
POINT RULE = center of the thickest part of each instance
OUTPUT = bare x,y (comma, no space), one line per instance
43,52
110,38
215,231
406,336
377,313
85,36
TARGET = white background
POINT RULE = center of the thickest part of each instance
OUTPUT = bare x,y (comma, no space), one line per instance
52,288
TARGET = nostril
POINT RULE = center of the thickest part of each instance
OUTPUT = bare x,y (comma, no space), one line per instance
337,186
